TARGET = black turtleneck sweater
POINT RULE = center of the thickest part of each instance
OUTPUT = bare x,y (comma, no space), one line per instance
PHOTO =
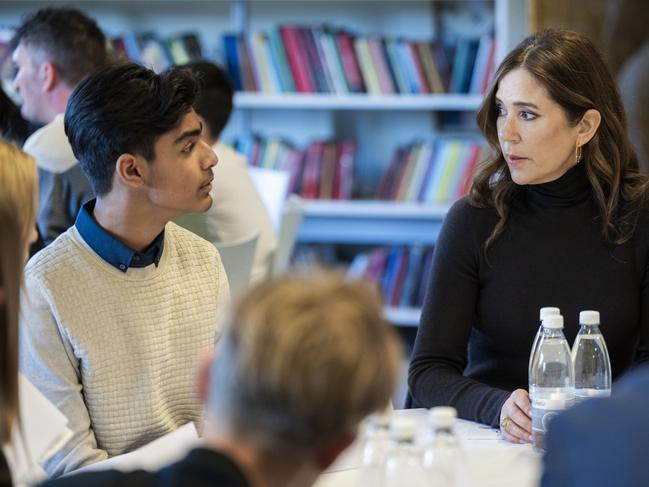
481,312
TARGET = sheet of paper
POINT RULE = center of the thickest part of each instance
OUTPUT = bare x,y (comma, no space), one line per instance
155,455
44,427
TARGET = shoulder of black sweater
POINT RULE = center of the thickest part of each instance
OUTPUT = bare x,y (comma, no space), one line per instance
200,467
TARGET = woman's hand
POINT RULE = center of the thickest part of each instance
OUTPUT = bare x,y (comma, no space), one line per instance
516,418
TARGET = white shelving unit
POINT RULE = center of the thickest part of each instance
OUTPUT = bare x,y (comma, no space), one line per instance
379,123
371,222
406,317
297,101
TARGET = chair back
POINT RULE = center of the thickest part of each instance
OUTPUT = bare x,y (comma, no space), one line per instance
196,223
291,219
272,185
237,258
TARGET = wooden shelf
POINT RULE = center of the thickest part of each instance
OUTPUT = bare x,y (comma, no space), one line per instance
443,102
371,222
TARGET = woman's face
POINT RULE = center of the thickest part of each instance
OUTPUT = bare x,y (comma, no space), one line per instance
536,140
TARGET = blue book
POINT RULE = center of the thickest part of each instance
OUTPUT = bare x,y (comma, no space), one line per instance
232,60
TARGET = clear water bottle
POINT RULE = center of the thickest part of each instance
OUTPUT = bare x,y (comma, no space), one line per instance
590,359
551,378
444,460
543,312
375,450
404,465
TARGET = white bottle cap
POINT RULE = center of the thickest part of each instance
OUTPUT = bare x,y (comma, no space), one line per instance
553,321
403,429
548,311
589,318
442,416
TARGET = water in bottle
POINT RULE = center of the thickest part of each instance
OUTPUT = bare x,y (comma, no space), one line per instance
443,458
543,312
590,359
404,465
551,378
375,450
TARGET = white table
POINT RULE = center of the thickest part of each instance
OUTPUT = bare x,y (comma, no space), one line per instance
491,461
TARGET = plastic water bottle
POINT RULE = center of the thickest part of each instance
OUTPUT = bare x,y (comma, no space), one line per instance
543,312
590,359
404,465
552,384
375,450
443,457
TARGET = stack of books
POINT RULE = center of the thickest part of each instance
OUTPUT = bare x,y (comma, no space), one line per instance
152,51
292,59
399,272
324,170
431,171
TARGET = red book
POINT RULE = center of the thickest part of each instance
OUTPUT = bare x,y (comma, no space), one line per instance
344,170
297,59
384,192
469,168
311,171
345,43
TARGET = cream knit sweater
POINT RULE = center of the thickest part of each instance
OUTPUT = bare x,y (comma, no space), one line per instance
117,352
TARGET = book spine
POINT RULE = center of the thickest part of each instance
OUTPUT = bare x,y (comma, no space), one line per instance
296,60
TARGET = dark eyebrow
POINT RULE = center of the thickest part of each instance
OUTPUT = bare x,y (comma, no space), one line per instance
188,134
521,103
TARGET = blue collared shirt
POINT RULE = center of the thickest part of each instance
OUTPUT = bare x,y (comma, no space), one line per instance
112,250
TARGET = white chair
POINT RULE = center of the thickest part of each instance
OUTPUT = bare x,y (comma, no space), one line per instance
237,258
272,185
291,219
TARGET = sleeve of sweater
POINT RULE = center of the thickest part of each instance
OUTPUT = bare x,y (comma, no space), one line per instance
435,376
642,355
47,360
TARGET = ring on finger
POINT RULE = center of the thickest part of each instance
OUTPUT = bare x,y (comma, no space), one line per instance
505,422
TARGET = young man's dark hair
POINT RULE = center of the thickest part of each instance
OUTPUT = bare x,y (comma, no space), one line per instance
214,101
70,39
101,125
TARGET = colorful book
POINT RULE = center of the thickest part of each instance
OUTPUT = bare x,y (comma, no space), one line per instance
368,70
351,68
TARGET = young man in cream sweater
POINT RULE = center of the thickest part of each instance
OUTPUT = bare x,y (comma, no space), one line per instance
118,309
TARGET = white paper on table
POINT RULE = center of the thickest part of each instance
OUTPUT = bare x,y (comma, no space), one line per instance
44,428
158,454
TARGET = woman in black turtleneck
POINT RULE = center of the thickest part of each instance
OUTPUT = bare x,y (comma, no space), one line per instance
556,217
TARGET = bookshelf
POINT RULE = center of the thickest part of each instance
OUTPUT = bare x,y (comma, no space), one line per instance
370,222
378,122
296,101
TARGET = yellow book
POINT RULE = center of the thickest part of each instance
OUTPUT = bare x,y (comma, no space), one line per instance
368,70
443,189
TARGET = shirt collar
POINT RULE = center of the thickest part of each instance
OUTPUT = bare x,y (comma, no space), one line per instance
112,250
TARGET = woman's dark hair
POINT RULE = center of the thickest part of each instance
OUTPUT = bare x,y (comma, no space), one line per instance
569,66
124,108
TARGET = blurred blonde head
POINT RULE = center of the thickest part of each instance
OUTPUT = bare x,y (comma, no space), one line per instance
17,219
302,362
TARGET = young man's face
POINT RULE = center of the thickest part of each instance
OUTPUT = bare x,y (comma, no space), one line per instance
29,84
180,175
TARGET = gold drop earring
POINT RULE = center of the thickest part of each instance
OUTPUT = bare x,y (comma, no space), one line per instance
578,153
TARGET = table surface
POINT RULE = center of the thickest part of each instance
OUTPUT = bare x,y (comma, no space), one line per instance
491,461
